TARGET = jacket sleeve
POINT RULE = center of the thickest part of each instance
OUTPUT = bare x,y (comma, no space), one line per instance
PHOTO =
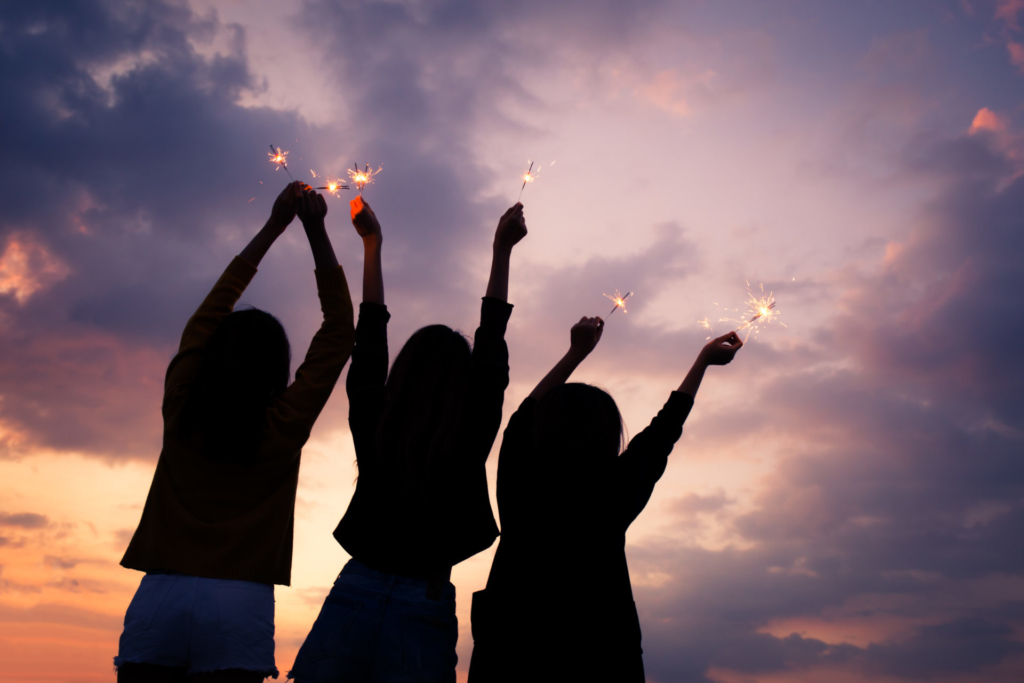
367,377
292,415
482,413
215,307
643,462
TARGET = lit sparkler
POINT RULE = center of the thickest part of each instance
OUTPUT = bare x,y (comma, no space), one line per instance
280,158
620,301
529,177
332,186
760,312
364,177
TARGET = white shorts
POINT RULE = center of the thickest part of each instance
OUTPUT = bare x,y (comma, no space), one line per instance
200,624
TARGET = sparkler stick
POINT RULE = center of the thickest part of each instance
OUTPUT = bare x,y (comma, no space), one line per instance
527,178
278,157
620,301
362,178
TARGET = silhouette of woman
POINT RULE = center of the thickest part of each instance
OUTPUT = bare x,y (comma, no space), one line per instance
422,435
558,605
216,531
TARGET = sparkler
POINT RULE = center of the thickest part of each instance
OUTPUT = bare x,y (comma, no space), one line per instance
620,301
364,177
529,177
760,312
333,186
280,158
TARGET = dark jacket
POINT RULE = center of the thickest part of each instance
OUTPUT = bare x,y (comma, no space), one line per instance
420,528
559,582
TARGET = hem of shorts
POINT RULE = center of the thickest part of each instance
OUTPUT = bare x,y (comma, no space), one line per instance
267,673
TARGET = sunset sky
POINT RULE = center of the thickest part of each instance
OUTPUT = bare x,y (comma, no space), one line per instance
847,499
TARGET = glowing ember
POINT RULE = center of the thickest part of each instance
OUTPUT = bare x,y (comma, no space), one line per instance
333,186
364,177
620,301
280,158
760,312
528,177
705,324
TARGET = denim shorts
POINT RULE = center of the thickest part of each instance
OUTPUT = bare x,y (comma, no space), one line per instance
200,624
381,628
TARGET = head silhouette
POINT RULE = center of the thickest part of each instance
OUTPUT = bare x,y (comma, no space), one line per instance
578,426
425,391
246,365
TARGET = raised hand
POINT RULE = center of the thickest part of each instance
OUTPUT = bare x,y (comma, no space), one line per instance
511,228
584,336
720,351
284,206
311,207
364,219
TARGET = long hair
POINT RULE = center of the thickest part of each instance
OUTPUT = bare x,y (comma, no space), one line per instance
425,391
246,365
578,426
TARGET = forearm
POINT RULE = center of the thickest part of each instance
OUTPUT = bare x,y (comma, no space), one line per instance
497,285
373,274
261,242
691,383
320,244
559,374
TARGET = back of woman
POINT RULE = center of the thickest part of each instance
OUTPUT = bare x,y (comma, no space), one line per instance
422,434
216,530
560,582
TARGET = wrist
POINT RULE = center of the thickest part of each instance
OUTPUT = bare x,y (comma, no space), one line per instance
502,250
372,242
576,355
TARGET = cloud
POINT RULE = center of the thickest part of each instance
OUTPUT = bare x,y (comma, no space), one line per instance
26,267
1016,51
24,520
986,120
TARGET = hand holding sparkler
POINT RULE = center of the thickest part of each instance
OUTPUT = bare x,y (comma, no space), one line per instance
718,351
721,350
511,228
584,336
365,220
283,212
311,207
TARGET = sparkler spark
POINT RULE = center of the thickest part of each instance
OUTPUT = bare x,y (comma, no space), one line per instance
280,158
332,186
620,301
528,177
761,311
364,177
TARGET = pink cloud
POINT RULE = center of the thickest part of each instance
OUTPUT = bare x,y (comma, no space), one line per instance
986,120
1007,10
26,266
1016,54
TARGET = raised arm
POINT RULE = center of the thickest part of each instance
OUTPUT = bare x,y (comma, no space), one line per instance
368,227
280,216
719,351
641,465
511,229
582,339
225,293
312,209
295,411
